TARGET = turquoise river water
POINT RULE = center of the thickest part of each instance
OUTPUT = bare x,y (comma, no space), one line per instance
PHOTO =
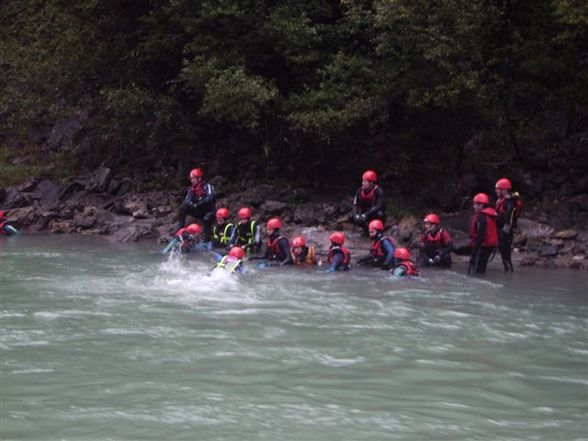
104,341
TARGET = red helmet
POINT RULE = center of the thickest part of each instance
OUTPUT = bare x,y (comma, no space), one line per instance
338,238
193,229
402,253
222,213
245,213
237,252
376,225
196,173
432,218
298,241
274,223
2,214
504,184
370,175
482,198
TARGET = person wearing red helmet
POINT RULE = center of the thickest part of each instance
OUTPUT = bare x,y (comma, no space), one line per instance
381,254
404,265
302,254
483,234
368,203
247,233
436,243
278,246
223,229
233,261
339,257
199,202
508,207
186,239
5,228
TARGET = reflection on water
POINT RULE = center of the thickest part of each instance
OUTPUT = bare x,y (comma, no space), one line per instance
110,341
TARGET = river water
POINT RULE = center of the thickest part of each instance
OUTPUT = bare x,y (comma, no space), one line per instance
105,341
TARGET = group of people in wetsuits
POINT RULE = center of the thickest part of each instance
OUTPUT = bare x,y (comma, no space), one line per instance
490,228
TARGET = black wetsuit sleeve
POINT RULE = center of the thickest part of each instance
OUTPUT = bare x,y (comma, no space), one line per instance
389,250
210,195
188,195
447,245
336,261
285,251
480,231
509,208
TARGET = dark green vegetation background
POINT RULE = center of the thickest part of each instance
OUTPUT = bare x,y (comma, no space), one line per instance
303,90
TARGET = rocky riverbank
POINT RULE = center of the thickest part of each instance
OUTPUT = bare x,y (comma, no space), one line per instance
101,204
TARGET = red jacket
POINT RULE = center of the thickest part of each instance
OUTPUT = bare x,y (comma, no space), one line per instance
486,220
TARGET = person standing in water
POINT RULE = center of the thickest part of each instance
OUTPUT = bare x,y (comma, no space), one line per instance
483,234
508,207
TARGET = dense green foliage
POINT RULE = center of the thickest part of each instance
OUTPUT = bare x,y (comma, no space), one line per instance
317,85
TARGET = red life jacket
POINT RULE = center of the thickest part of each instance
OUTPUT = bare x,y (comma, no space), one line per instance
491,234
344,250
274,247
2,230
377,248
518,206
198,190
368,197
434,241
411,269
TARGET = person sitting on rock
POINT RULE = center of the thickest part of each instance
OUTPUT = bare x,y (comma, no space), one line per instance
339,257
381,254
483,234
368,203
404,265
508,208
232,262
5,228
222,230
436,243
246,233
199,202
302,254
278,246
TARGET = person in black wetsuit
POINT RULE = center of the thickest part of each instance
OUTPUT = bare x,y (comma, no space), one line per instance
381,254
368,203
199,202
436,243
278,246
339,257
483,234
508,208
